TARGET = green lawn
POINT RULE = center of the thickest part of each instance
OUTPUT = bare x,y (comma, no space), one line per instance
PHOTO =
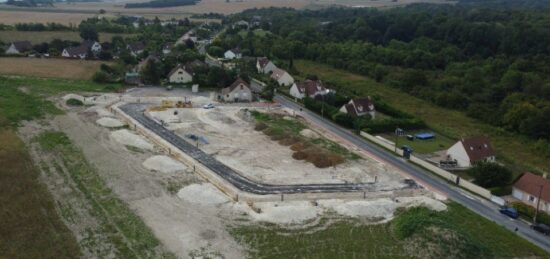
516,151
416,233
440,142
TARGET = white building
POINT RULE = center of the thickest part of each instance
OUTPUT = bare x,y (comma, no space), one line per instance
307,88
239,91
264,65
467,152
233,54
180,75
19,47
528,188
359,107
282,77
94,46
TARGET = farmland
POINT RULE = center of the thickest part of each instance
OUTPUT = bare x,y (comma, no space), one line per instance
11,17
58,68
516,150
36,37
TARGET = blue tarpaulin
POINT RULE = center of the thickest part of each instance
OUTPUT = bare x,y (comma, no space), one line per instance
424,135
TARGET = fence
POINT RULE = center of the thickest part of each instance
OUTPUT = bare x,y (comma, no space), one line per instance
436,170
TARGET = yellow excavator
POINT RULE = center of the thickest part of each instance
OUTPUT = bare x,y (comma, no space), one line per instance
166,104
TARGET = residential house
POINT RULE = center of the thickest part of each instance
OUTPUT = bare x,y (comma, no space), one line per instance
19,47
256,21
136,48
190,35
359,107
467,152
80,52
146,60
282,77
264,65
92,45
308,88
239,91
181,74
234,53
528,189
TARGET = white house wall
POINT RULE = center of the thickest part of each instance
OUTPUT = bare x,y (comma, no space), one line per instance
458,153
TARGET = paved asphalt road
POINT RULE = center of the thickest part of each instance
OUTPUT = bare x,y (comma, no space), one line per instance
136,111
479,205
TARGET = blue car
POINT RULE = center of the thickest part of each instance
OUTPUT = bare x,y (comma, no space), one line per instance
510,212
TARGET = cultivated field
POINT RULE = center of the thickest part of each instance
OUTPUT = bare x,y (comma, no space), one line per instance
36,37
40,67
67,18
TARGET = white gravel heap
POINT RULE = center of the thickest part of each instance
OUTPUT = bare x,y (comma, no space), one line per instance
309,134
290,212
128,138
109,122
73,96
204,194
375,209
163,164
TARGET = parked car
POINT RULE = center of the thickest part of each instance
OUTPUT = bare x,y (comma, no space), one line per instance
541,228
208,106
510,212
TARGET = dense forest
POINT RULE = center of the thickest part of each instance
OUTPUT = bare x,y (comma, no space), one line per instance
491,63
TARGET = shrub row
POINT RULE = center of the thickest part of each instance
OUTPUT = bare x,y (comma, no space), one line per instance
529,212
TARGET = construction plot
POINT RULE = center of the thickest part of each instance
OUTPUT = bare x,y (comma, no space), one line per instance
234,139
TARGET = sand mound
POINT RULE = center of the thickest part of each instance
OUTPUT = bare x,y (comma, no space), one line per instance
309,134
423,201
109,122
205,194
381,209
163,164
128,138
73,96
290,212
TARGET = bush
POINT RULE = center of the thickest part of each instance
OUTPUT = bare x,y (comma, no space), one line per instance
100,77
529,212
74,102
490,174
389,125
260,126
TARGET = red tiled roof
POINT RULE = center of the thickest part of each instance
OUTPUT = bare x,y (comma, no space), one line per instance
310,87
531,183
478,148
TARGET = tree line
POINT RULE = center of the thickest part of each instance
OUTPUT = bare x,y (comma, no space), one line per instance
491,63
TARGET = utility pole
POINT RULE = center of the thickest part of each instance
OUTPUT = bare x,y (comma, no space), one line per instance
538,204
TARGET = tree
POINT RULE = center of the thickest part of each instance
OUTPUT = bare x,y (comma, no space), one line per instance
489,174
152,72
88,32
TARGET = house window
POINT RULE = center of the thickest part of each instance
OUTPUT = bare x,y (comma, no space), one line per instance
531,199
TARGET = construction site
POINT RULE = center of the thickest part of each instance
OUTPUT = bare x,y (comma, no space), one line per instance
189,169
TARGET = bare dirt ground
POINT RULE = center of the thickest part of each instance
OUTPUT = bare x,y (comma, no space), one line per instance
189,216
234,142
41,67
